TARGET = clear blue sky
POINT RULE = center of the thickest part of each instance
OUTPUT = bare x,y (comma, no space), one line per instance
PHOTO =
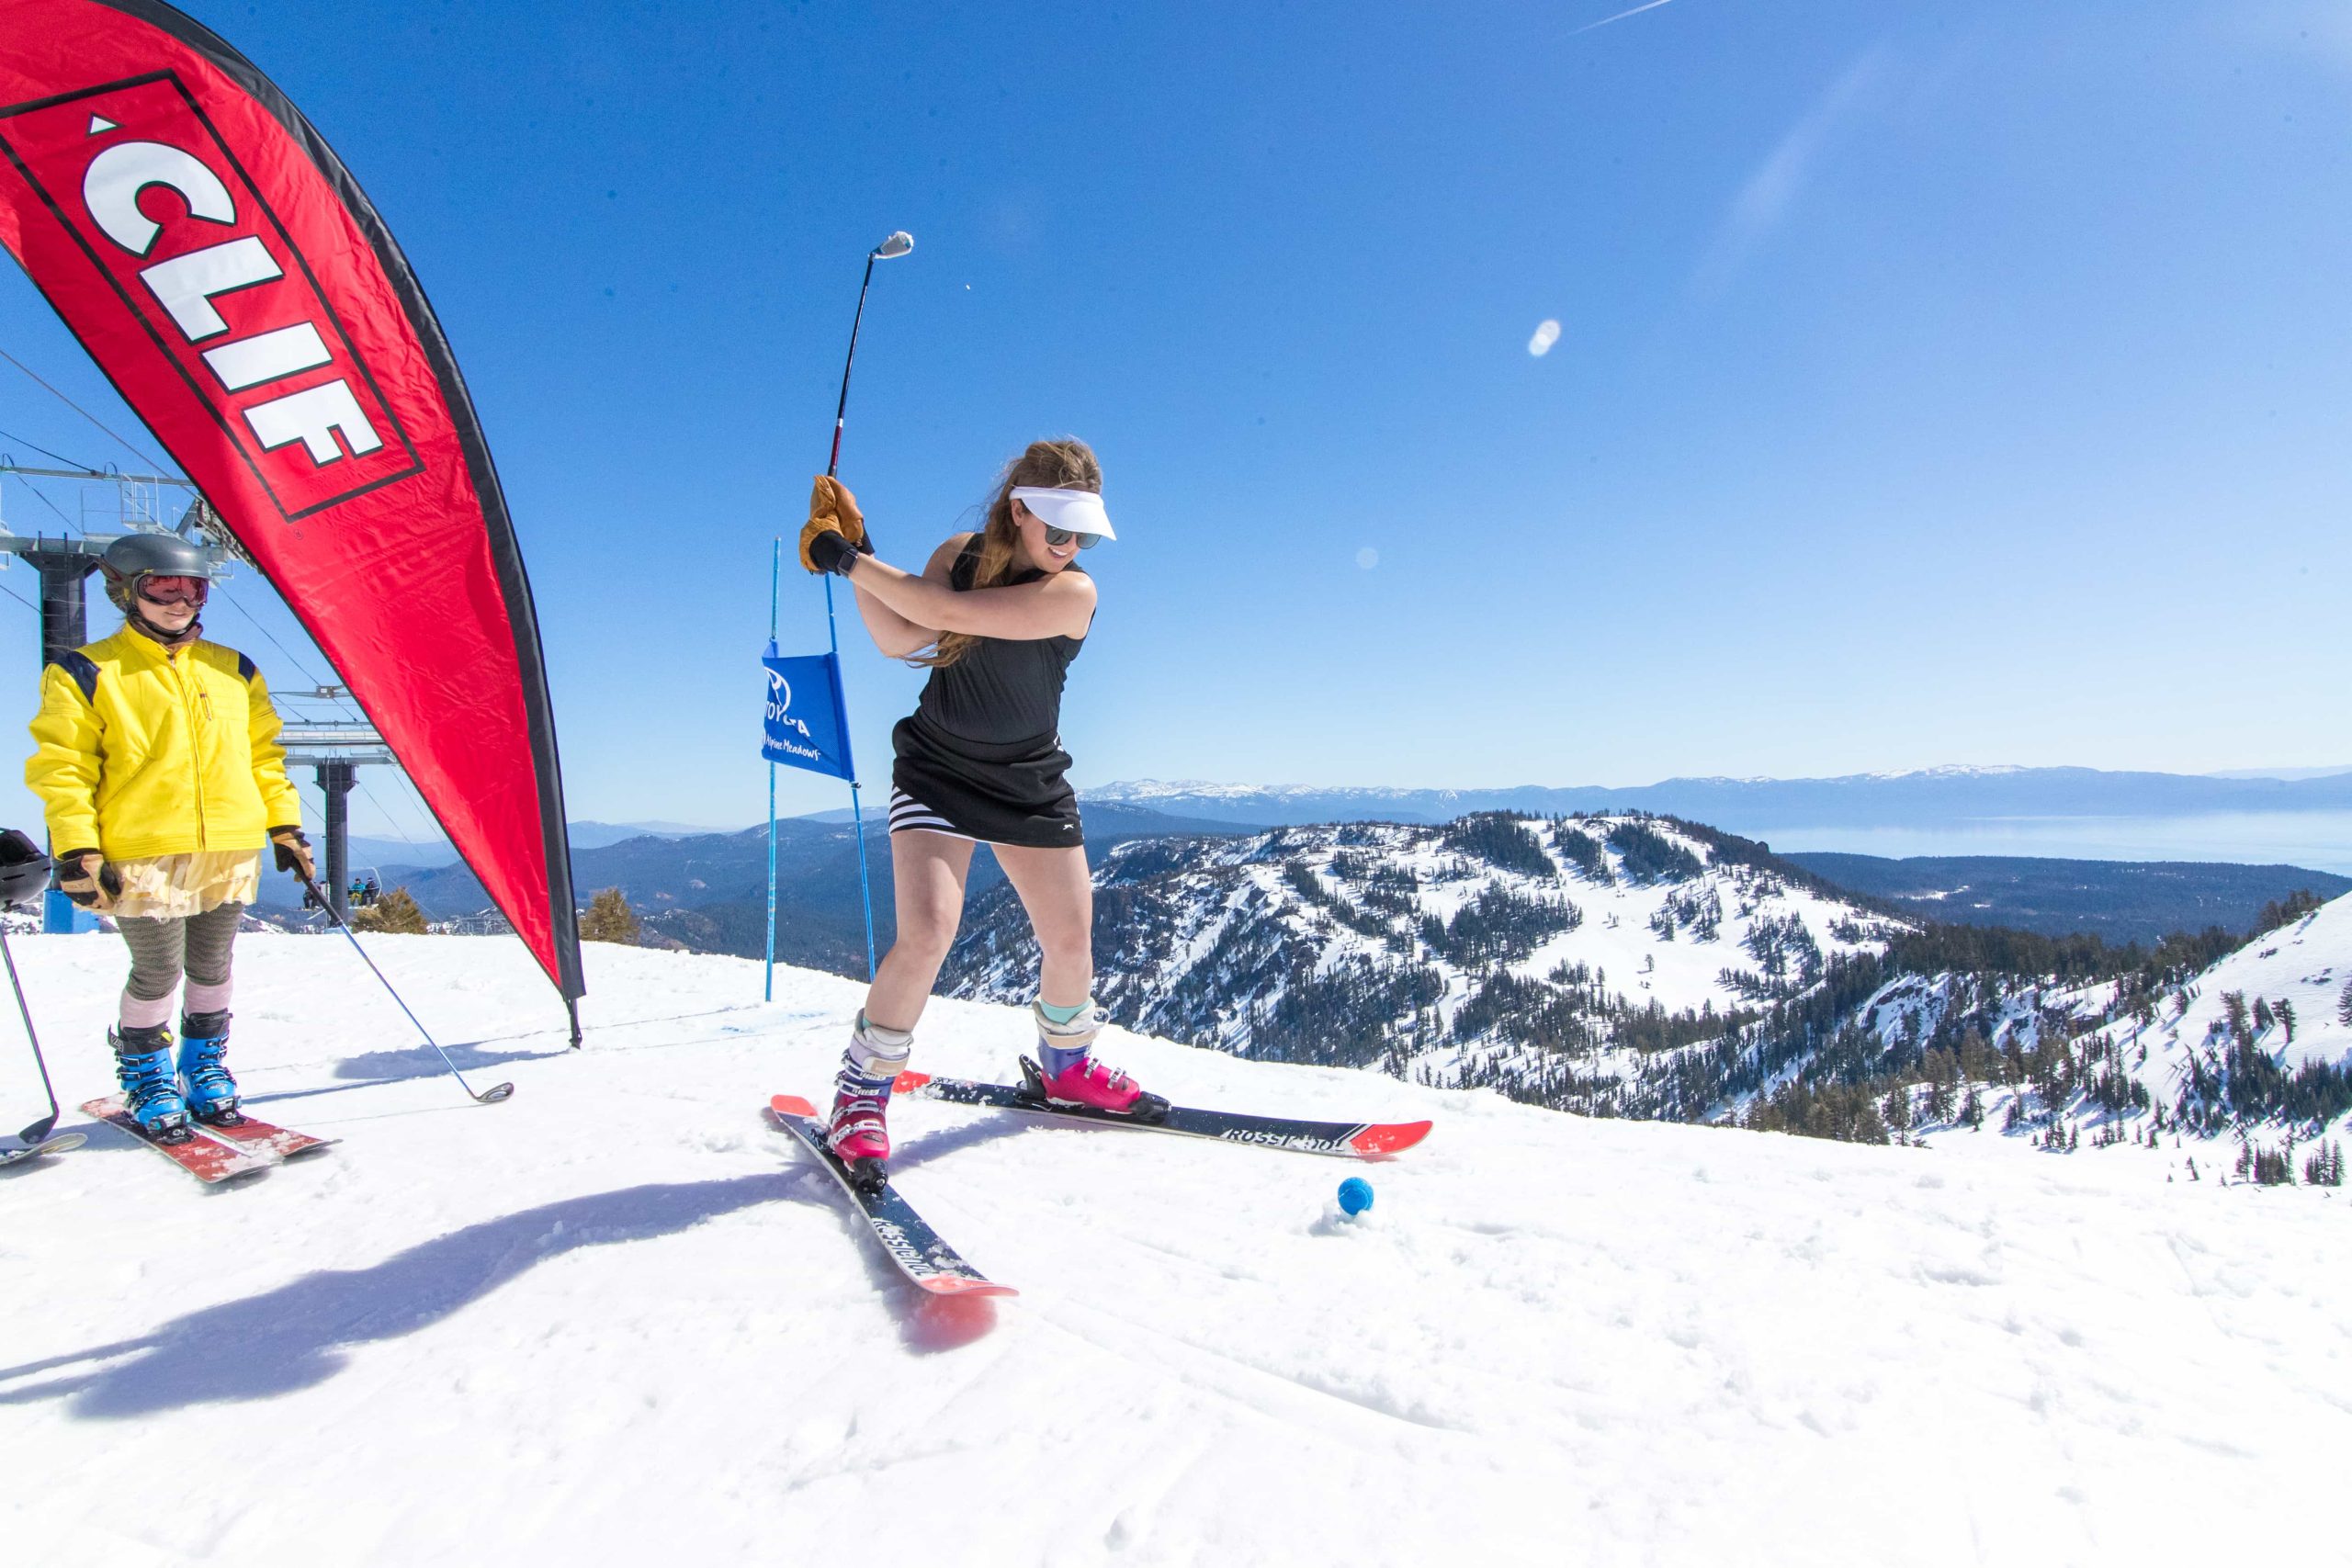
1951,382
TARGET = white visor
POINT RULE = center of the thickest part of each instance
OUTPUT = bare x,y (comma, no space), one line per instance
1071,510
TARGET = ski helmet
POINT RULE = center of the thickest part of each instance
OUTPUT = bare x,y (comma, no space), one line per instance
135,556
24,870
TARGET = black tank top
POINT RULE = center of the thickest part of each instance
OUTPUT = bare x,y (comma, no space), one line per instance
1004,690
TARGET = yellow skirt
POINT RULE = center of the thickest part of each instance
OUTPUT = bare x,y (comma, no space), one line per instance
171,885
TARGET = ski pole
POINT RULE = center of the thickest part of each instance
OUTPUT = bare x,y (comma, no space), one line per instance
486,1096
39,1130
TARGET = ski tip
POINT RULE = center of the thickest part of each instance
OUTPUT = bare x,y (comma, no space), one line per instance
909,1081
958,1285
791,1105
1389,1137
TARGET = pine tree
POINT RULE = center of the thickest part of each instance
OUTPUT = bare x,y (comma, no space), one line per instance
2343,1004
395,911
609,918
2234,1009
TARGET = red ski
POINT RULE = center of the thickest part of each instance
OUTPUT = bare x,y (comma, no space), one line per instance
201,1158
261,1138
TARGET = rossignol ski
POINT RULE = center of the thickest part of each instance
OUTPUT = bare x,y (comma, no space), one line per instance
1344,1140
919,1251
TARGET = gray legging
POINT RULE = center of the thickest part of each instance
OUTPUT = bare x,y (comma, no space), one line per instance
161,948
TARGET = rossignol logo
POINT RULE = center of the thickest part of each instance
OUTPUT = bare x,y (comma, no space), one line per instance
895,1243
142,184
1280,1140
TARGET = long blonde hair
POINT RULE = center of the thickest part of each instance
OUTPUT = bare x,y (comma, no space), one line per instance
1066,464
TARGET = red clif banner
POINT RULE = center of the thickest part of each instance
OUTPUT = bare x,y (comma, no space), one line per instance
232,279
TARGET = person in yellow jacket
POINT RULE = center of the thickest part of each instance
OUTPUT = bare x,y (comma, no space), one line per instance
156,756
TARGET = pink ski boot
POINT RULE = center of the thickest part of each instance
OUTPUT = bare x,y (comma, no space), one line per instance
1071,1077
859,1131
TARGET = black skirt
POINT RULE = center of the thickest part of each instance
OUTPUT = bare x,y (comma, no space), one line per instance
1017,793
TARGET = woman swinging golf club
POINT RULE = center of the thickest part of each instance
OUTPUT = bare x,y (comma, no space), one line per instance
1002,613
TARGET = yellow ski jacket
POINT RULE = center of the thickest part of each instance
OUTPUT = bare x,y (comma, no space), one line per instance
143,750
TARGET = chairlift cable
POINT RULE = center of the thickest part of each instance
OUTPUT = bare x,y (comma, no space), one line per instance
85,413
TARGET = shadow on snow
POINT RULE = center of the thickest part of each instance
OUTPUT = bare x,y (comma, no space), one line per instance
295,1336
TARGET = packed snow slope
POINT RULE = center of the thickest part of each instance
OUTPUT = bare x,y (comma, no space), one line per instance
617,1320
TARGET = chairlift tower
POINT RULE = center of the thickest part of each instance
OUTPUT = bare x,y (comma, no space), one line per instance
336,749
66,560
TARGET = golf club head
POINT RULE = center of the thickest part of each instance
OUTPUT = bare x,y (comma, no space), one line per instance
38,1132
898,244
492,1096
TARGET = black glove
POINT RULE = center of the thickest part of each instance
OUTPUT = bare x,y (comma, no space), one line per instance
85,876
293,851
831,552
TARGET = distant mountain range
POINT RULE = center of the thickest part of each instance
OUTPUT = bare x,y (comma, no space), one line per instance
2122,901
368,853
1927,797
708,891
1932,796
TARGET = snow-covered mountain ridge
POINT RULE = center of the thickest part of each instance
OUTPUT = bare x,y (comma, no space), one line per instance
1492,950
1625,965
614,1320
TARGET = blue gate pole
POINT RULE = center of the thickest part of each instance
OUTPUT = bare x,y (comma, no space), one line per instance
775,565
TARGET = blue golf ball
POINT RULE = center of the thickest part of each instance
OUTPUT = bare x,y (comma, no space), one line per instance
1355,1195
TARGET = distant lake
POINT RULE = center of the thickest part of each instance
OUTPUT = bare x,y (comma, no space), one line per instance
2319,839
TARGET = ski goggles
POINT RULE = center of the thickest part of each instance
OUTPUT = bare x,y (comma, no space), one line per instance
174,589
1067,513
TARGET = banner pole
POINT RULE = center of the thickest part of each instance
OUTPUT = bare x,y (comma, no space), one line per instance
776,568
864,883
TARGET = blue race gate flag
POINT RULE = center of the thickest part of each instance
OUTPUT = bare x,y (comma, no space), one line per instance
807,719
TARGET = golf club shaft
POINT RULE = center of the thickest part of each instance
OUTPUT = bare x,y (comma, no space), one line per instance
840,410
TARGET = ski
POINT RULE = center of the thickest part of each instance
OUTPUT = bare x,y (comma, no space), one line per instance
262,1138
1345,1140
18,1152
201,1158
921,1255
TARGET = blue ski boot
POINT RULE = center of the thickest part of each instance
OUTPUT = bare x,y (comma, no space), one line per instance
211,1092
142,1064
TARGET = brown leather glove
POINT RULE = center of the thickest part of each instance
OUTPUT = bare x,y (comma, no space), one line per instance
85,876
293,853
833,509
